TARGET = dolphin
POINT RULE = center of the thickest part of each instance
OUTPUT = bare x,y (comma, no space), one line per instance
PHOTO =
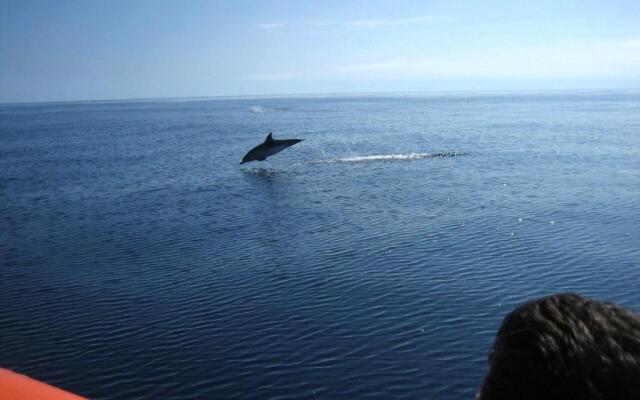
269,147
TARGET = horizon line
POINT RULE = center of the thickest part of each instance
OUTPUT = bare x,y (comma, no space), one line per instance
309,94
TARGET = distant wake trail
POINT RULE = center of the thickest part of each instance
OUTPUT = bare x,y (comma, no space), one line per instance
386,157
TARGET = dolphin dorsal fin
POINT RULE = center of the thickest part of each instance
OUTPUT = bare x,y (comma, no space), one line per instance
269,138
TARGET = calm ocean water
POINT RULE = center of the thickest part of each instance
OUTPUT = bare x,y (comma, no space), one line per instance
139,260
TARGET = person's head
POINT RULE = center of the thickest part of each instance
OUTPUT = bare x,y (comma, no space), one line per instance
565,347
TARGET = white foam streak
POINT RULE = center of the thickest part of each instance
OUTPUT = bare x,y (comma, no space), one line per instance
387,157
384,157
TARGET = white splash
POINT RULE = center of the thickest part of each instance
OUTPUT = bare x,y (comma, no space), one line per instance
259,109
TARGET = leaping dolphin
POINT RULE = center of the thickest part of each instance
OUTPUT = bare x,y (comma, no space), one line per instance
269,147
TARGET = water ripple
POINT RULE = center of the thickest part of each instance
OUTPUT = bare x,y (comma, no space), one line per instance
139,261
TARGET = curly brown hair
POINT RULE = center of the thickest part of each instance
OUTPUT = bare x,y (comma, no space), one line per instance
565,347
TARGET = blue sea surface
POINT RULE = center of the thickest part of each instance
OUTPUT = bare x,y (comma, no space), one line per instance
139,260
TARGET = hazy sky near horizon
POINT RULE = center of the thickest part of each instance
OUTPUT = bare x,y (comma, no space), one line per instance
88,49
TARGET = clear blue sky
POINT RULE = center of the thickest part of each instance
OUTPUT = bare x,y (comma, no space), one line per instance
112,49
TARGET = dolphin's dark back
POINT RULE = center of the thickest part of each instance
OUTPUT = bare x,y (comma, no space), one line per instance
288,142
269,147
